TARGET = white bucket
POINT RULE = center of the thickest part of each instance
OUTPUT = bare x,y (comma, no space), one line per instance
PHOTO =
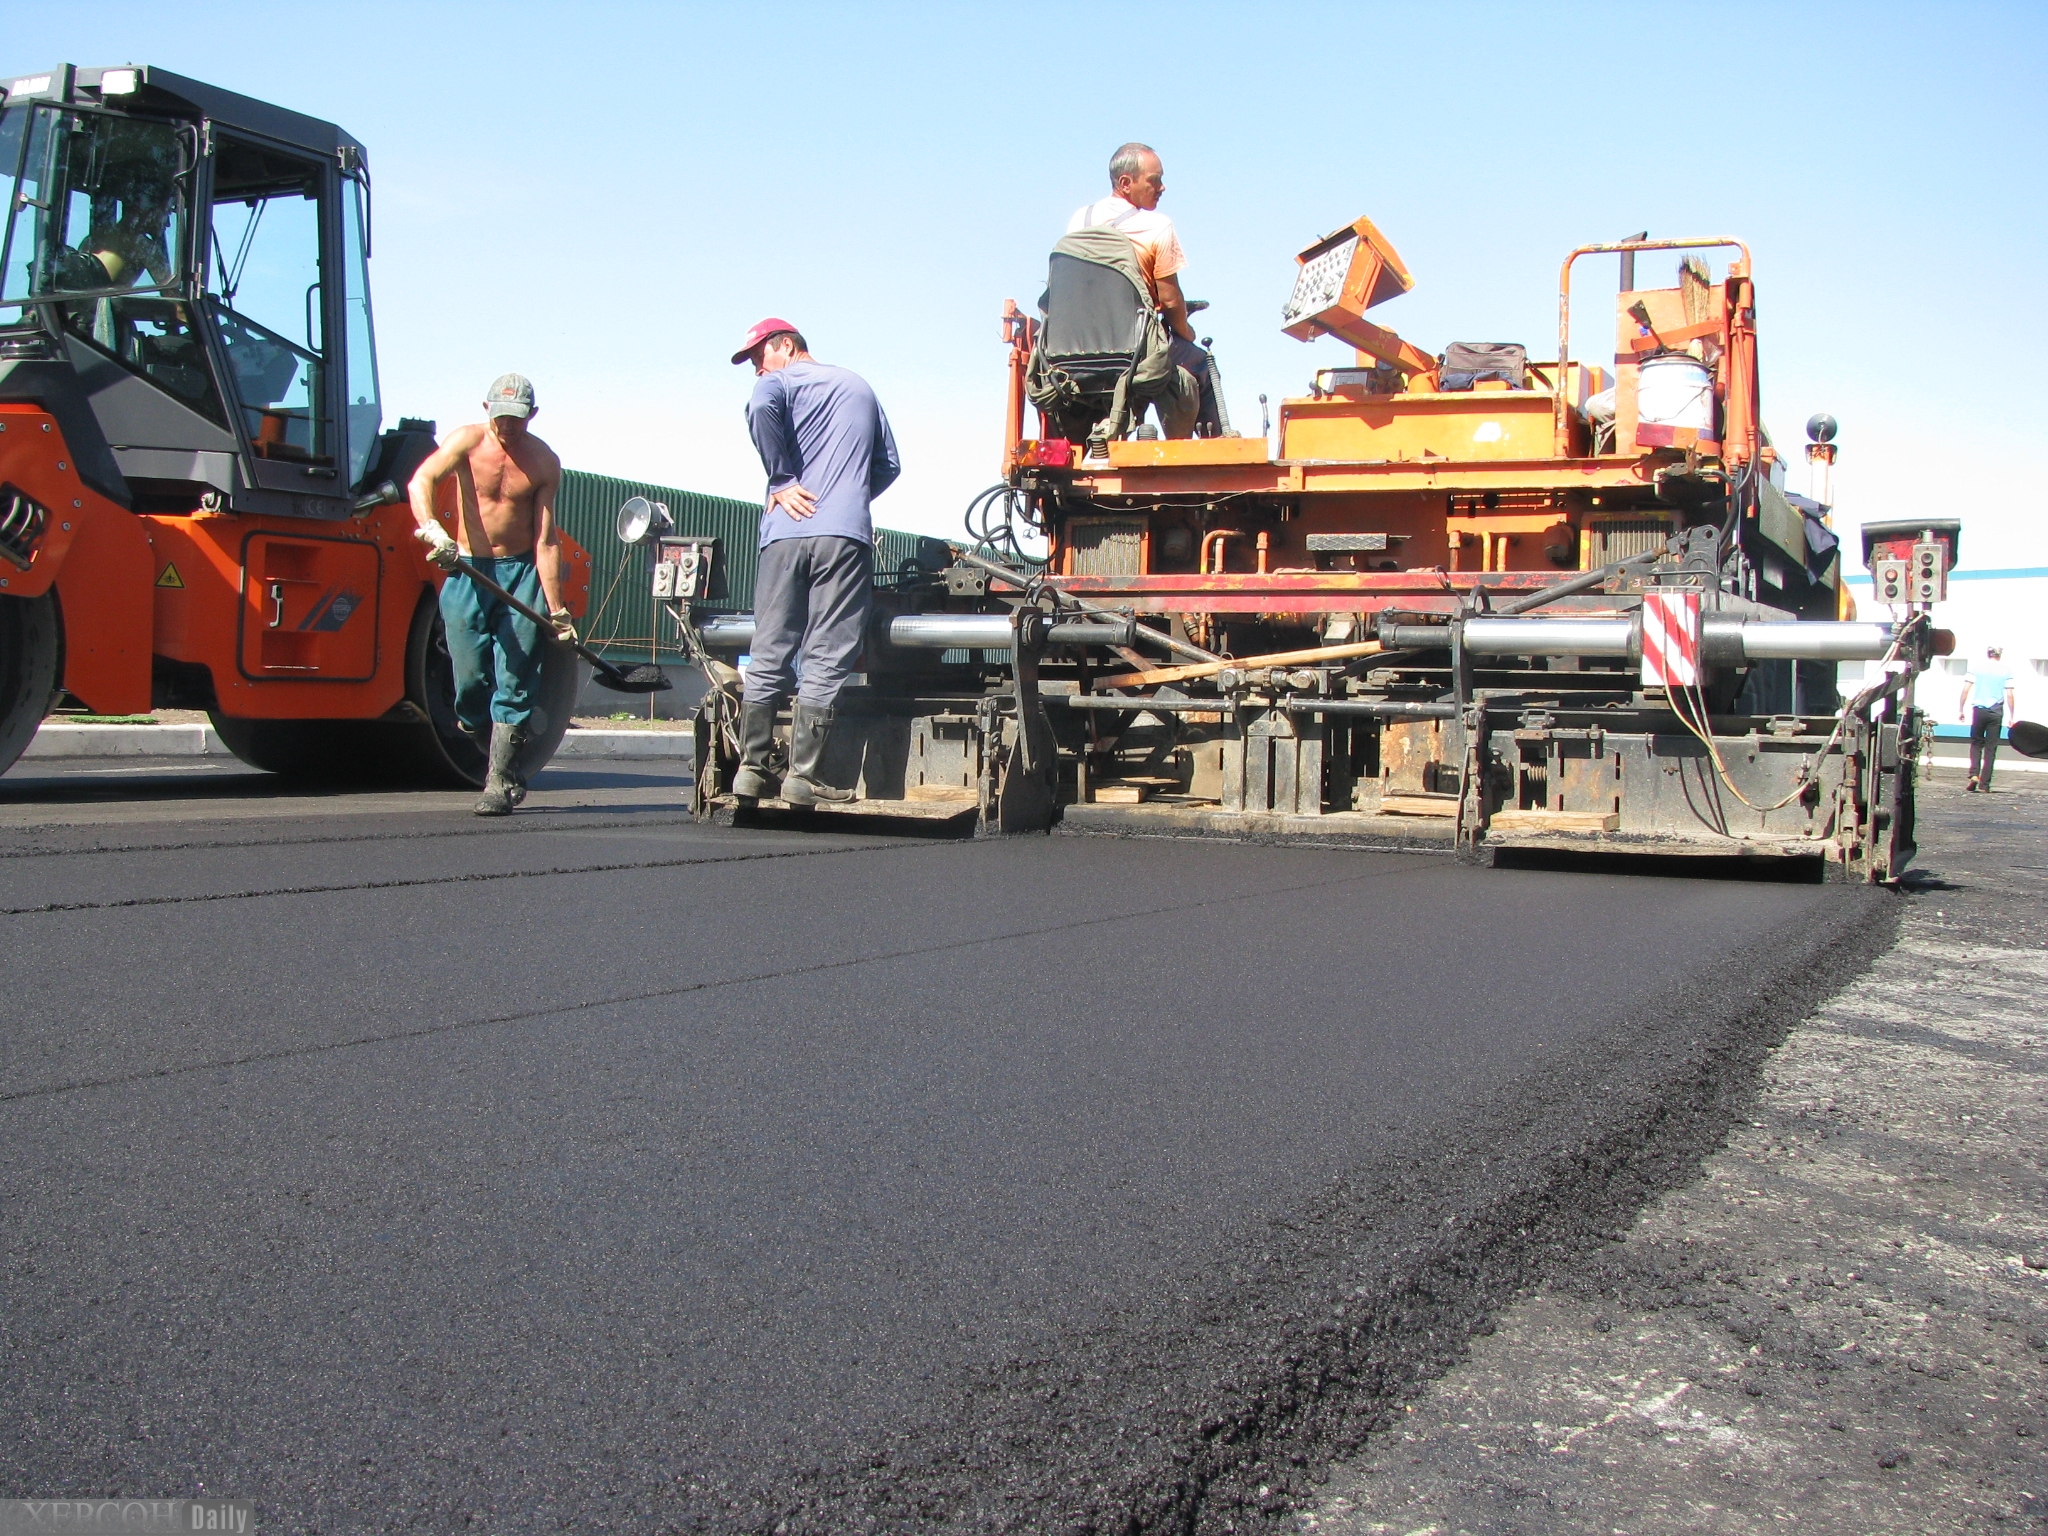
1676,391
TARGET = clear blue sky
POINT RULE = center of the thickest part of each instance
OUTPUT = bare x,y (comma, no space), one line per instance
604,196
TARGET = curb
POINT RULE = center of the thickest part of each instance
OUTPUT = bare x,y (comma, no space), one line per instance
55,739
627,744
58,740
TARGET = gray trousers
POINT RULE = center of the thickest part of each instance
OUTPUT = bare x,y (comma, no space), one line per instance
811,602
1196,361
1986,726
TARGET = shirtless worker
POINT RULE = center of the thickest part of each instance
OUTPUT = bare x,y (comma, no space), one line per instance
505,481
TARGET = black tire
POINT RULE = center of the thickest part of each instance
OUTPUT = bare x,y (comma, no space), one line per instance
426,750
31,652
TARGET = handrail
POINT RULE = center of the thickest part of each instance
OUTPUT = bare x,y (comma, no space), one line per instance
1564,302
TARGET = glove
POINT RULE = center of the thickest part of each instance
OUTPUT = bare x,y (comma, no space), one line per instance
441,550
565,626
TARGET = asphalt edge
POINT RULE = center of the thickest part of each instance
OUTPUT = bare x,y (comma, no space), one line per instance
1346,1322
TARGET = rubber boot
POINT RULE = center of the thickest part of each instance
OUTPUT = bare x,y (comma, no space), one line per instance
808,736
503,788
534,724
756,779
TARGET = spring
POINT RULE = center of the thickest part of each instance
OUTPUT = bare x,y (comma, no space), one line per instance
22,522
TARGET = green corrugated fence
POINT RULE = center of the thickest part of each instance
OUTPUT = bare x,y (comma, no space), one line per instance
622,610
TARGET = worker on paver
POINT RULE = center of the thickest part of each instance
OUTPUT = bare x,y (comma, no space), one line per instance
1989,692
506,480
828,452
1137,180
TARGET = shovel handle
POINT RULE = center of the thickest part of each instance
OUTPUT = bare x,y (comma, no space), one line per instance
536,615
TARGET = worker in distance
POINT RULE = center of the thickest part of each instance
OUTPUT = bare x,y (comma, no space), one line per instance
1987,695
506,480
828,452
1137,181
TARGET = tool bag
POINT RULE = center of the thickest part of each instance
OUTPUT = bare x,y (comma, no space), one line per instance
1102,348
1466,363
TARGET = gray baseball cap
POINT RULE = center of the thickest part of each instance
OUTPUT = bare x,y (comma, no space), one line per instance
511,394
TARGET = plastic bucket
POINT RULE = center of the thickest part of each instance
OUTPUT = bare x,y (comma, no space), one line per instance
1676,391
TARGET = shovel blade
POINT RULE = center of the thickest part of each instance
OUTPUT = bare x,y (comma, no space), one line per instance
639,680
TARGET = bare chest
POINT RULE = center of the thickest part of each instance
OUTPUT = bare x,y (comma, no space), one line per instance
500,478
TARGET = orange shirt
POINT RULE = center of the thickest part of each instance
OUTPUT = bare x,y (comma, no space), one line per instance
1159,252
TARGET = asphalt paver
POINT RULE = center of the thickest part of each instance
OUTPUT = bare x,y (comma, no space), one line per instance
598,1171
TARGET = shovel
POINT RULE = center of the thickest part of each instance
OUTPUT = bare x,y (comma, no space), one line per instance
647,679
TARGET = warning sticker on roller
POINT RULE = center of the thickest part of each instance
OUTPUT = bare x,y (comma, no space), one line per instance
1671,639
170,577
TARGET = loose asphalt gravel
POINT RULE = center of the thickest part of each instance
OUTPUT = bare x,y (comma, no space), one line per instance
596,1171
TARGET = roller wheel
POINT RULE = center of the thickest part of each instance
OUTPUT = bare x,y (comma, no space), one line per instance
425,750
31,646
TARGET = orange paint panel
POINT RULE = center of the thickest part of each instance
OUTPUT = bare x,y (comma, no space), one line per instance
1142,452
219,615
103,592
36,461
1410,429
309,608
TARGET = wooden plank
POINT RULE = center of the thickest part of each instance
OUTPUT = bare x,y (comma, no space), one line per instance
1211,668
725,807
1419,805
1120,793
960,792
1553,821
1676,336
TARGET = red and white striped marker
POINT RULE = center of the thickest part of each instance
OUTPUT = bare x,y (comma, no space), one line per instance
1671,639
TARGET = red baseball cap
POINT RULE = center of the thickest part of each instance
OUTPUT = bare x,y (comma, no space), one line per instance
760,333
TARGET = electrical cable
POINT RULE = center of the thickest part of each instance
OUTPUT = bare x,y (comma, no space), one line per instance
1811,767
992,519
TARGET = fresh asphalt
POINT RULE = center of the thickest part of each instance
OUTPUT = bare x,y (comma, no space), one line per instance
593,1170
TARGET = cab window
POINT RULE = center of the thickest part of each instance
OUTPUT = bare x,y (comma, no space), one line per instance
265,287
98,226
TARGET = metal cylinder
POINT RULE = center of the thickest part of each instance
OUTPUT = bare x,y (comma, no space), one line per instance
1138,706
1812,640
726,631
1547,637
950,631
1374,709
1724,640
1093,632
939,632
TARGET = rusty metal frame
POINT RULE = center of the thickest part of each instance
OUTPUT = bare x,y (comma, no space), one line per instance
1564,300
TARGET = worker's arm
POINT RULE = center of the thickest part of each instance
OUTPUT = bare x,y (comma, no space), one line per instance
1173,305
774,437
885,466
440,464
547,549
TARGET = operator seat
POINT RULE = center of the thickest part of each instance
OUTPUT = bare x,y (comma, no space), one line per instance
1102,351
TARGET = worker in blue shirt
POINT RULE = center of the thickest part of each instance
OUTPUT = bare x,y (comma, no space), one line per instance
1990,686
828,452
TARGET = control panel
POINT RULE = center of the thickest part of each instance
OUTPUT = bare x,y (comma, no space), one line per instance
1914,578
682,568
